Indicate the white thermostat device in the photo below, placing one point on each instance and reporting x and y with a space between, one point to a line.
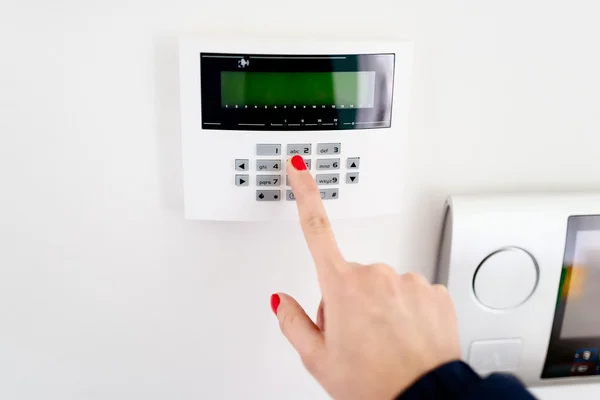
246 107
524 274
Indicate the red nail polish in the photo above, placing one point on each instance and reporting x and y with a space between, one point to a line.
275 300
298 163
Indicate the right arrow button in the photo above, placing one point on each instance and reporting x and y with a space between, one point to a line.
241 180
352 177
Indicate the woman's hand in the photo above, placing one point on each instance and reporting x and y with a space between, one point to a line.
377 331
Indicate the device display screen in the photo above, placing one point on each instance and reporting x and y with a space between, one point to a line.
313 89
296 92
575 339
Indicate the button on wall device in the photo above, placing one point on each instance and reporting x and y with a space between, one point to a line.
353 163
328 163
502 355
302 149
308 163
585 355
268 180
326 194
328 179
268 195
242 180
242 165
506 278
268 165
268 149
329 148
584 369
352 177
329 194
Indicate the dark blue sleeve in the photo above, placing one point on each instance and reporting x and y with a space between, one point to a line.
457 381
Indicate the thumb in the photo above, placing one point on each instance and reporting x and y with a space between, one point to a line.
299 330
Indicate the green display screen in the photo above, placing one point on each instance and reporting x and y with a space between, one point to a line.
270 89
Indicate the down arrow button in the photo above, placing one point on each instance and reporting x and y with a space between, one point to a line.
352 177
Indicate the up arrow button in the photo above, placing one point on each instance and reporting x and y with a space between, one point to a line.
353 163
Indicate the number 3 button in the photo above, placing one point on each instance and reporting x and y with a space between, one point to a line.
329 148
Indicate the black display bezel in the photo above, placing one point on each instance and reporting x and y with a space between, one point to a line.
295 118
560 362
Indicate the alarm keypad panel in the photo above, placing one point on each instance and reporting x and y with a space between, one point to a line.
305 149
342 106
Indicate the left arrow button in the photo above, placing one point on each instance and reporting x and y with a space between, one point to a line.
241 164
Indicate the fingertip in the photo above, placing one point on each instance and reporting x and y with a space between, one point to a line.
275 301
298 163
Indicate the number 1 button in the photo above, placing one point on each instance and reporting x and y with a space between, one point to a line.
268 149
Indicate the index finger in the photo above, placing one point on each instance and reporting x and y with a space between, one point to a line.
314 221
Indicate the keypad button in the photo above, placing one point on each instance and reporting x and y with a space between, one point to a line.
353 163
328 163
328 179
242 180
268 149
352 177
329 194
242 164
329 148
289 195
268 195
268 180
326 194
268 165
302 149
308 163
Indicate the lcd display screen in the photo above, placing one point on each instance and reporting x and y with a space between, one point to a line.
582 317
574 348
312 89
296 92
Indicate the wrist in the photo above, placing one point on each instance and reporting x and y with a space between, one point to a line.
448 380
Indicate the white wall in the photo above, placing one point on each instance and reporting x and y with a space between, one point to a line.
106 293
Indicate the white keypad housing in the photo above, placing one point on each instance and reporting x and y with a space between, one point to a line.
241 174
